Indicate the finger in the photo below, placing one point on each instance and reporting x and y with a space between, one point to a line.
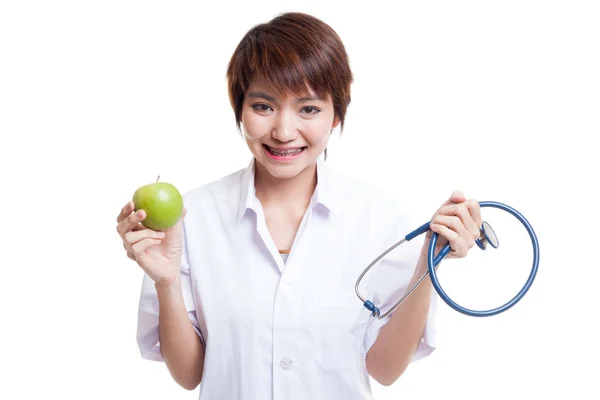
457 196
125 211
133 237
138 227
452 222
143 245
131 255
452 237
130 222
461 210
475 211
129 252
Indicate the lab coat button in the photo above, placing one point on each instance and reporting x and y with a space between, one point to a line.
286 290
286 363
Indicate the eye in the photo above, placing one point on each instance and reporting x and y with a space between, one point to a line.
314 109
261 107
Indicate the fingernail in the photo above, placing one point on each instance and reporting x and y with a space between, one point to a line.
140 214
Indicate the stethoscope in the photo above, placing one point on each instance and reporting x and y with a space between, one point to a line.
487 237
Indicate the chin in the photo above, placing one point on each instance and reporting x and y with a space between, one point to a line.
282 171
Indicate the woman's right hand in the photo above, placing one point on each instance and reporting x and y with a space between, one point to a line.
157 252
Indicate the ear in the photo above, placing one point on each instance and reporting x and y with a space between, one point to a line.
336 122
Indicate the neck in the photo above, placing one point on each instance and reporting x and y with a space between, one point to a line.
294 192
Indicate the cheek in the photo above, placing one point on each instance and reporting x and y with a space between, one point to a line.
252 126
319 135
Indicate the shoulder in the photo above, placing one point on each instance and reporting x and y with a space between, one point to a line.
371 206
216 190
360 193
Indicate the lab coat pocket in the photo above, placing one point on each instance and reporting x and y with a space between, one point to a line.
338 326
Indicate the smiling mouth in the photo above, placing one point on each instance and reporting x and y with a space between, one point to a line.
284 153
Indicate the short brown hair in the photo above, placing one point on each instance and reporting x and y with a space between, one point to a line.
288 52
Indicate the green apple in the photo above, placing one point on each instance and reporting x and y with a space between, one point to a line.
162 203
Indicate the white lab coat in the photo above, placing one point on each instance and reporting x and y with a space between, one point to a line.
295 329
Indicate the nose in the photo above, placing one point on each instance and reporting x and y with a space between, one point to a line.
284 128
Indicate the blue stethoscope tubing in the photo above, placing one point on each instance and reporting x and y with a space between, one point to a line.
487 237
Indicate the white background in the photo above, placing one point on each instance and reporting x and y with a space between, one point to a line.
498 99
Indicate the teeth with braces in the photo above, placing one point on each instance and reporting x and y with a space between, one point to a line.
285 152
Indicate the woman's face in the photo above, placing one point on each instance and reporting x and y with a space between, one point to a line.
286 134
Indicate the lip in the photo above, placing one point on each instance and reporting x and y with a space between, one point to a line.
285 148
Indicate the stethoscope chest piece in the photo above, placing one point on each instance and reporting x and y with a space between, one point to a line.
487 236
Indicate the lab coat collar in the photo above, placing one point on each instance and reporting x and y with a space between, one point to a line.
325 192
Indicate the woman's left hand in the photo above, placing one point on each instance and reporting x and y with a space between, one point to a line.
458 222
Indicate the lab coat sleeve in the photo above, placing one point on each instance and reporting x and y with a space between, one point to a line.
390 279
147 328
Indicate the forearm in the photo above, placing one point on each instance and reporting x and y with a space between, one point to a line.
180 345
399 339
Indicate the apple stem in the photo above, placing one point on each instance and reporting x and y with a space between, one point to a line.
158 178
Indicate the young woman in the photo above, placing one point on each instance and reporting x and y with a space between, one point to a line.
252 292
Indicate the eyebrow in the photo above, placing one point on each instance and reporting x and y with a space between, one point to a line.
265 96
